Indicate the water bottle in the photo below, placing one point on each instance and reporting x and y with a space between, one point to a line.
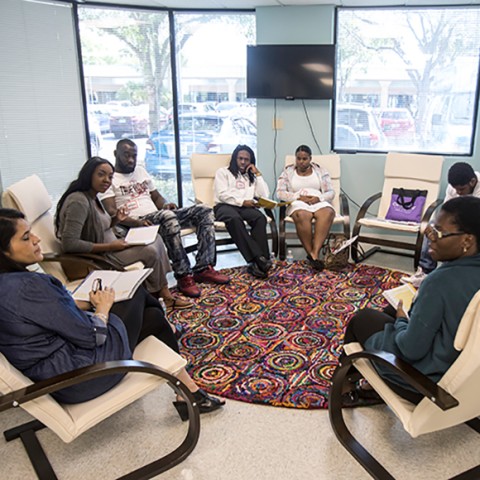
272 258
289 257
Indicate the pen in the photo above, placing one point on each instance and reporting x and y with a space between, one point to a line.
97 285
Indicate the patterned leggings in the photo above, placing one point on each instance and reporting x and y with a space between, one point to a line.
171 222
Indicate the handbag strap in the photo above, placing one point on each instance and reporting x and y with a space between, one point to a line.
407 204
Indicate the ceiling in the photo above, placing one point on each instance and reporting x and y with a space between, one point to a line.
250 4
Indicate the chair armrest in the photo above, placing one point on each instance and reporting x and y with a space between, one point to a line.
429 212
89 259
366 205
282 233
345 212
51 385
410 374
269 213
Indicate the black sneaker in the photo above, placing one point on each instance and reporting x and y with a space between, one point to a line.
254 269
263 263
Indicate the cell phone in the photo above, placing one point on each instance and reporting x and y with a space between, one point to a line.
97 285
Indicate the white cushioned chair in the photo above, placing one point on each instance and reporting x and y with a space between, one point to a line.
453 401
153 364
402 170
340 202
31 197
204 166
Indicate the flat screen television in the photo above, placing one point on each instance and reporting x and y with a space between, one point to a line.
291 71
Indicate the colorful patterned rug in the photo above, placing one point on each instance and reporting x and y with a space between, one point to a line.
277 341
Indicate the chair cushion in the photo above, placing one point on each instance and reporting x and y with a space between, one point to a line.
381 223
30 196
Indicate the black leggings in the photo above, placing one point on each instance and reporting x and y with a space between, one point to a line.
362 326
143 316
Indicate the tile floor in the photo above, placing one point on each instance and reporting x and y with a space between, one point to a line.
244 441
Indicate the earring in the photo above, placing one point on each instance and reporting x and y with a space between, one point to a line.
465 249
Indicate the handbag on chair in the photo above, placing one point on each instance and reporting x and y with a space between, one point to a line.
406 205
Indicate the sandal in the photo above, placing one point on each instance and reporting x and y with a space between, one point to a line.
204 401
175 303
360 397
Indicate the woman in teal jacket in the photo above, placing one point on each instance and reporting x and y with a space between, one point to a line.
425 340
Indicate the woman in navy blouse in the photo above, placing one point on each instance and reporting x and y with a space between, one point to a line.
44 332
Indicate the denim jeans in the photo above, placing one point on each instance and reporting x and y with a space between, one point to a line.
171 222
426 262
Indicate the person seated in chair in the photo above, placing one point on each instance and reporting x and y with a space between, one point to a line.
236 189
44 332
133 188
462 180
83 226
425 338
309 189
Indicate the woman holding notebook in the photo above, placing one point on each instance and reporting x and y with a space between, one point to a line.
425 340
83 226
236 189
44 332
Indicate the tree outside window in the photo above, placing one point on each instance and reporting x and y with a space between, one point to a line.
413 73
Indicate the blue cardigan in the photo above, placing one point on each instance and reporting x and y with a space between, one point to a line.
43 333
426 340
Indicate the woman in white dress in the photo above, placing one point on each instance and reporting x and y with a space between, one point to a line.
308 186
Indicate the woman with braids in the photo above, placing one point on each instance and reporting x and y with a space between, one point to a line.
236 189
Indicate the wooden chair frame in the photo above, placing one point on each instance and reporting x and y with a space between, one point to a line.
420 382
415 247
27 432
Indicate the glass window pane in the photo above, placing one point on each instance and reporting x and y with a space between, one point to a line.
407 79
211 69
126 62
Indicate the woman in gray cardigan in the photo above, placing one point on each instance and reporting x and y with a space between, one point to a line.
83 226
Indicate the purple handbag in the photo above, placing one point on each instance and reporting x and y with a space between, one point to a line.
406 205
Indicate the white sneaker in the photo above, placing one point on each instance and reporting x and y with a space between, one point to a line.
416 279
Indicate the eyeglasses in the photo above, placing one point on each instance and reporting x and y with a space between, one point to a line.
433 234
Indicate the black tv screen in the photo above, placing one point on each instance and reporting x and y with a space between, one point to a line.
291 71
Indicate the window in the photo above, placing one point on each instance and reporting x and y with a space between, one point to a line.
40 108
407 79
128 80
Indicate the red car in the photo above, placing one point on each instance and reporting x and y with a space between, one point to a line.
398 124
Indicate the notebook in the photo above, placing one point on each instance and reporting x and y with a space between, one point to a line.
125 284
142 235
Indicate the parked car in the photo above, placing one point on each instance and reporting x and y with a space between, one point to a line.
130 121
200 133
346 138
102 114
363 122
192 107
397 124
